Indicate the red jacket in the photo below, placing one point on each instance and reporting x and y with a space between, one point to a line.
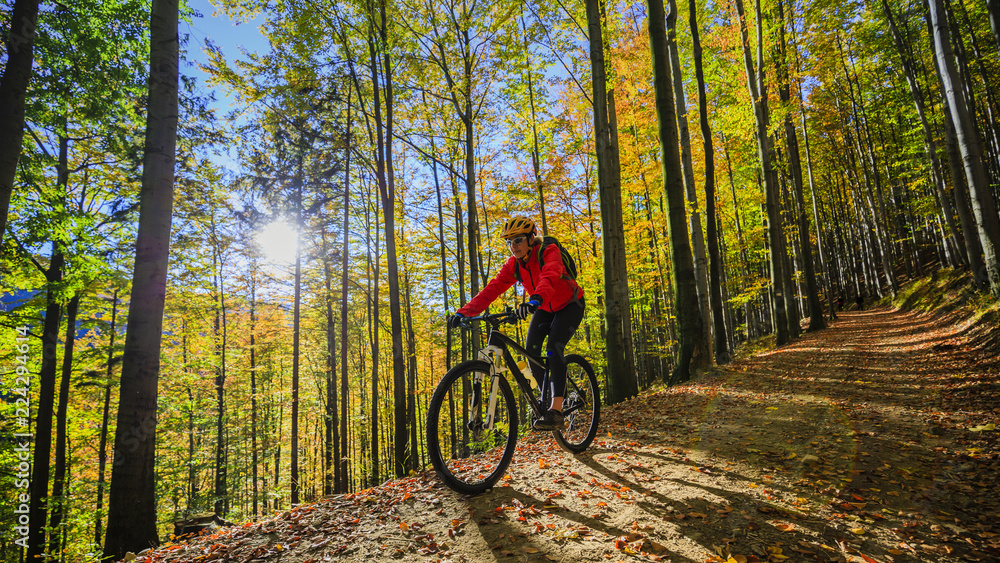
550 282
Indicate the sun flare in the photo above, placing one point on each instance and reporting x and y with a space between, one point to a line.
278 241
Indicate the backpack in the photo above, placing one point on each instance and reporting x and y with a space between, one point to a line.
569 265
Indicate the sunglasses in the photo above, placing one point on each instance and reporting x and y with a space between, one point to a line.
515 241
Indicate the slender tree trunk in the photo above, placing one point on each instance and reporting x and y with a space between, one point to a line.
963 207
535 153
221 506
132 502
102 451
714 256
987 124
411 379
344 254
983 204
373 331
40 465
827 275
621 375
331 442
816 320
755 82
752 328
254 416
930 144
296 336
53 504
692 354
13 88
882 229
993 7
60 497
442 248
385 175
690 188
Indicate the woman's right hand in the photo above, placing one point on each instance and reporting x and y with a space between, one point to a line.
455 320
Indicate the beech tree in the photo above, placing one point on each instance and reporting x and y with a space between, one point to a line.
13 88
692 355
132 500
616 303
983 203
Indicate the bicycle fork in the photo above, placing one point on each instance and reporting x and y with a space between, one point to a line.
489 354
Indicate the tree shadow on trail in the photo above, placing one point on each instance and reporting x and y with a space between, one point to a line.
839 436
506 512
724 521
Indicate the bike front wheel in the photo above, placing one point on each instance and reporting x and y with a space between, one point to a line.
469 445
581 406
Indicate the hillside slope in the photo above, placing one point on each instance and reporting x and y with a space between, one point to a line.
868 441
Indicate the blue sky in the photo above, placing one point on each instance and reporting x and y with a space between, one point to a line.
229 35
216 26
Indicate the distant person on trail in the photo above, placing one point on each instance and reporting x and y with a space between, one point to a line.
860 300
555 303
840 303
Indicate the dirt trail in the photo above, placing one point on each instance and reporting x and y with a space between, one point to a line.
855 443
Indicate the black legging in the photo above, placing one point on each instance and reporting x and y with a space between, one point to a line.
559 327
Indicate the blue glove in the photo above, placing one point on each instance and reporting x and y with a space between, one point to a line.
525 310
455 320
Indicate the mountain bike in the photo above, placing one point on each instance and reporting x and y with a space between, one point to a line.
472 418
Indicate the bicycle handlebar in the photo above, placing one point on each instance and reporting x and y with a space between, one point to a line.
494 318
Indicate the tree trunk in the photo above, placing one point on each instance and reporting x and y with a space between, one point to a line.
621 375
983 204
58 501
755 83
993 7
987 123
387 192
881 228
816 320
930 144
40 465
221 505
535 153
963 207
254 416
343 485
714 256
692 354
690 189
411 379
20 43
373 332
102 451
827 274
331 427
132 502
296 337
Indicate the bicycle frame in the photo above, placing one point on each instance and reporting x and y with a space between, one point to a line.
499 344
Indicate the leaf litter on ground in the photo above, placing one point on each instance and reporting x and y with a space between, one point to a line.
861 442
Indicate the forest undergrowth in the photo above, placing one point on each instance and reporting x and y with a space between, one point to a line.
872 440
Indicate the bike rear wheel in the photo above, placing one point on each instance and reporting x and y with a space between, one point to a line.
469 451
581 406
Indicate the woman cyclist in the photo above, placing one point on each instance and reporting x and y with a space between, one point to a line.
555 304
